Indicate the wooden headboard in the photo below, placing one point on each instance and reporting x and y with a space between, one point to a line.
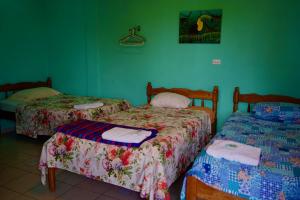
255 98
192 94
7 88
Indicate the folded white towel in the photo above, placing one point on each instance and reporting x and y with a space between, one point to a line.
125 135
88 105
235 151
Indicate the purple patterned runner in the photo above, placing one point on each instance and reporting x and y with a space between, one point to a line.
92 130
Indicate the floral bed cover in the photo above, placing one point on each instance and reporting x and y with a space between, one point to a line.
278 174
42 116
149 169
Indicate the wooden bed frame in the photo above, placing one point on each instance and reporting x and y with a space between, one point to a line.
12 88
193 94
196 189
255 98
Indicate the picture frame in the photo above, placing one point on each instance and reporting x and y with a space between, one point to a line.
202 26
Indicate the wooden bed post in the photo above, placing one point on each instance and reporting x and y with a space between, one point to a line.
49 82
215 98
51 179
236 95
214 108
149 92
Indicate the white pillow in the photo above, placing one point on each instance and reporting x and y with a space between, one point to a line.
170 100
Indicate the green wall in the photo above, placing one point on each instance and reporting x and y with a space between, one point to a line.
259 49
23 41
76 43
73 48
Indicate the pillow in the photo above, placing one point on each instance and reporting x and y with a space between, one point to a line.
170 100
33 93
290 113
277 111
267 111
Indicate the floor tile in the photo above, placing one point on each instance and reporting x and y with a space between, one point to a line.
9 174
104 197
70 178
14 158
122 193
29 165
33 150
22 197
42 192
3 166
24 183
7 194
78 194
95 186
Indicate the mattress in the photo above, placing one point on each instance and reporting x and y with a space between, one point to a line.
278 174
10 105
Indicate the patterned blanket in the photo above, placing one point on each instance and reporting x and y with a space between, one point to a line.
92 130
42 116
149 169
278 173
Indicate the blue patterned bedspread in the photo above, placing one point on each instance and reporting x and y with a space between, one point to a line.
278 173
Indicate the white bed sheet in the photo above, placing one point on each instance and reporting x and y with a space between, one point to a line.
10 105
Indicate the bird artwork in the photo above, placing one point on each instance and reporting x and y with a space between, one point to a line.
200 26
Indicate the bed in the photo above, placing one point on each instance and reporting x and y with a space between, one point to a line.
276 177
149 169
40 110
8 108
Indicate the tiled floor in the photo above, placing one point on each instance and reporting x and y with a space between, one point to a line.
20 178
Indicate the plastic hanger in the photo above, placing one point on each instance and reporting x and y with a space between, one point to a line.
133 39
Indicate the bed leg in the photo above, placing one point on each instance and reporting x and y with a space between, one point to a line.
191 188
51 179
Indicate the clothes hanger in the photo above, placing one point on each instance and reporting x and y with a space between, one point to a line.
133 39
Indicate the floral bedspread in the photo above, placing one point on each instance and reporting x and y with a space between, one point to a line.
42 116
149 169
278 174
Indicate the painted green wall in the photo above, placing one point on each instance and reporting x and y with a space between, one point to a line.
259 49
73 48
76 43
23 41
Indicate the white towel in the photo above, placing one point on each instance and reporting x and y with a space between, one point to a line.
125 135
88 105
235 151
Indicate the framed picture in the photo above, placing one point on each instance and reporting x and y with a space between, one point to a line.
202 26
